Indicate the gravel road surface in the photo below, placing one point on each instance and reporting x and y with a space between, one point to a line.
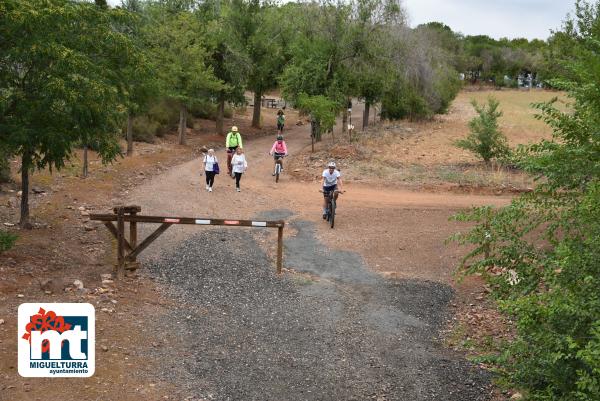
332 330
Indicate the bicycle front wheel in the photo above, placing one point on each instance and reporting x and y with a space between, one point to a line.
277 171
332 212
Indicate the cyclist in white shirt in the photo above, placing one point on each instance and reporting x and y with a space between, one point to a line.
332 180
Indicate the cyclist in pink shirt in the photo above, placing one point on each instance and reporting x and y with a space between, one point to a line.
279 150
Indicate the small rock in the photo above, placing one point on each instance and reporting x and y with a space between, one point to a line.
104 348
517 396
37 190
20 296
78 284
85 213
1 321
81 208
19 194
88 228
9 224
106 276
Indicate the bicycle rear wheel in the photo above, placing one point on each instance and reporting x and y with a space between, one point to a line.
332 212
277 171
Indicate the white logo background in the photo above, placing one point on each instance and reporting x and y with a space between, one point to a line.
26 311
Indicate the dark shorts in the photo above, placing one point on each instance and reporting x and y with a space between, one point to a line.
276 155
280 126
232 149
328 189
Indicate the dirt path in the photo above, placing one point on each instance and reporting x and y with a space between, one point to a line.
348 330
399 232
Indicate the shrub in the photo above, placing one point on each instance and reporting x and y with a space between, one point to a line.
403 101
208 110
4 166
7 240
145 129
485 139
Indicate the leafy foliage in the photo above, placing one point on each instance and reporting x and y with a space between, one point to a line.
485 139
7 240
542 253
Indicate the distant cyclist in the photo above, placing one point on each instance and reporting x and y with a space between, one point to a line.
232 142
332 180
280 121
279 150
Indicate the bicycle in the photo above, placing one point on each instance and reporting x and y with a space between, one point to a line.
278 166
331 204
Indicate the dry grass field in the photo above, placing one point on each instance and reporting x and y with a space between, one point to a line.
423 154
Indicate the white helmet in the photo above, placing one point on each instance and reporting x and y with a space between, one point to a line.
331 164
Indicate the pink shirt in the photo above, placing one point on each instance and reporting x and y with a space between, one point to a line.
279 147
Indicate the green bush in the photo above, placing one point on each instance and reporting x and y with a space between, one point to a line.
4 167
7 240
403 101
208 110
145 129
446 87
485 139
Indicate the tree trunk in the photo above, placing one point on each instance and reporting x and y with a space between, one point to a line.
129 134
344 121
85 161
220 114
256 112
182 124
366 116
25 162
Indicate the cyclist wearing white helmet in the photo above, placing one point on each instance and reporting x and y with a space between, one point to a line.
332 180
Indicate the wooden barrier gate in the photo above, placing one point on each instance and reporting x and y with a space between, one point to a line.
129 214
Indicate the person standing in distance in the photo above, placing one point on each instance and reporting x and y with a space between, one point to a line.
233 141
280 121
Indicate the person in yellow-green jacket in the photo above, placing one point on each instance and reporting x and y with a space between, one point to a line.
232 142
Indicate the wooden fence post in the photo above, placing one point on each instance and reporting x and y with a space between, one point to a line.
120 243
279 248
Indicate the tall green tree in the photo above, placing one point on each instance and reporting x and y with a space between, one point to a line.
224 24
177 44
59 82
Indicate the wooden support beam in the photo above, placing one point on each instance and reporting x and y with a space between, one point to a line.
144 244
189 220
111 227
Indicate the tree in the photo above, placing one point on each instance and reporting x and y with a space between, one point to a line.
179 48
59 82
541 254
141 84
224 24
266 40
485 139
